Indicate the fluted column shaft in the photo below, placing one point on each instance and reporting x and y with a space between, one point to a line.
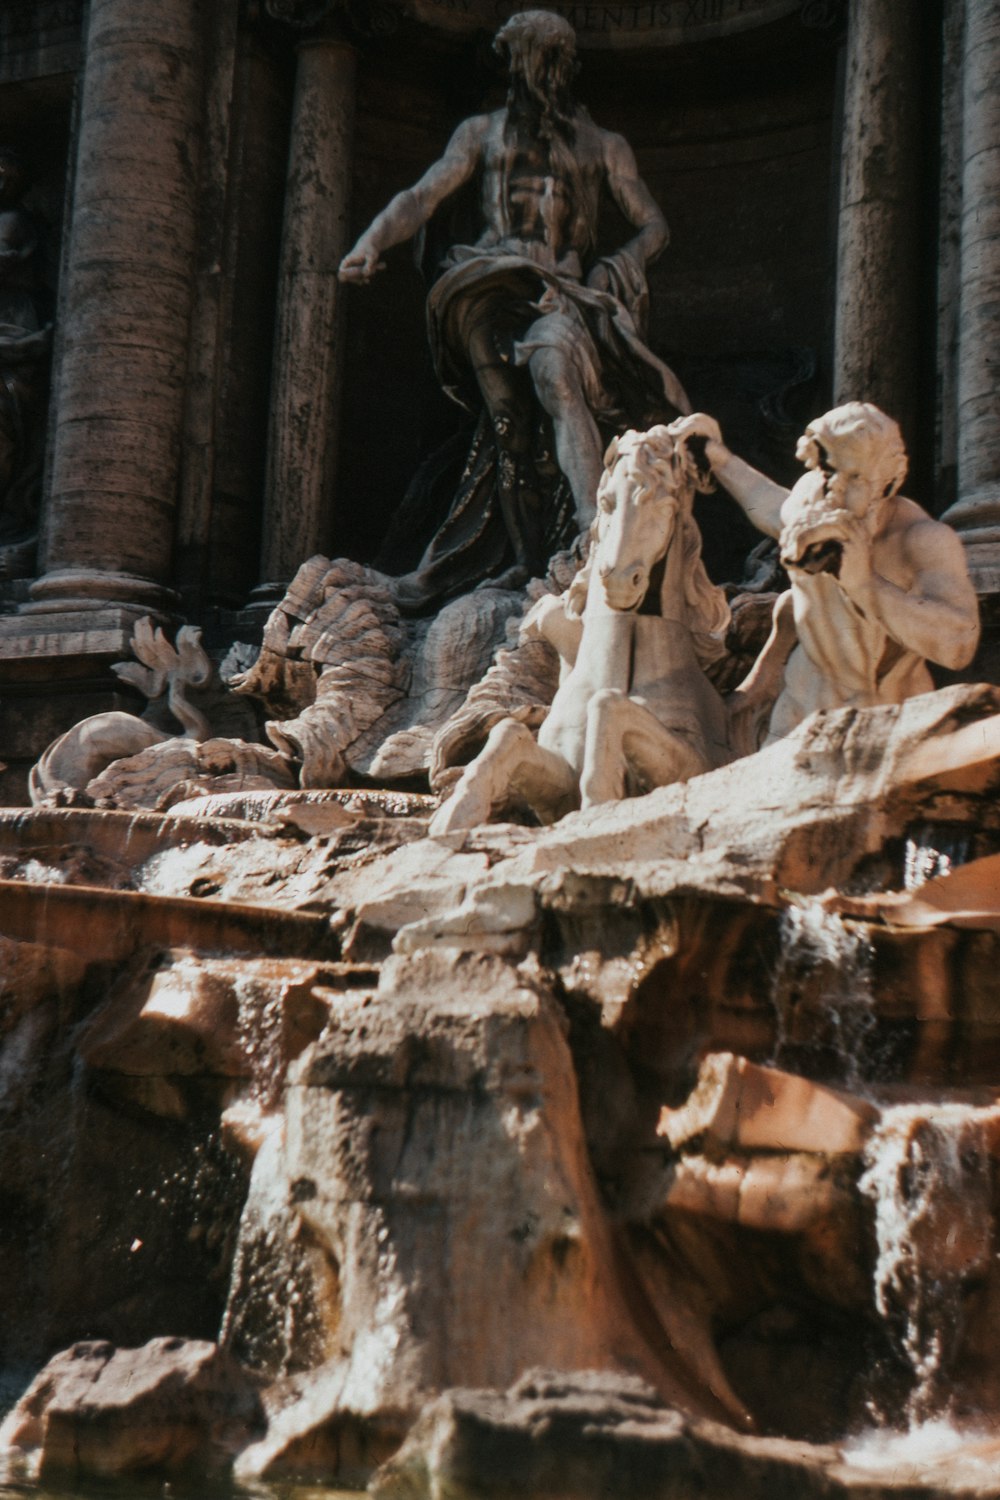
976 513
308 357
109 523
875 346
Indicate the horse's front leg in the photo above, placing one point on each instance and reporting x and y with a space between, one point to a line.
511 768
624 735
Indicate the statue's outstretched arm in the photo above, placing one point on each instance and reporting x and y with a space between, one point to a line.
635 200
757 495
411 208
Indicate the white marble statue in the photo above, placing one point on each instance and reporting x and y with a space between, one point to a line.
878 588
635 629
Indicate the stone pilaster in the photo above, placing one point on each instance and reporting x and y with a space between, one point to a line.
876 334
119 395
976 513
308 358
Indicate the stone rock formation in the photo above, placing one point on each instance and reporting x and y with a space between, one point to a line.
557 1435
174 1406
291 1080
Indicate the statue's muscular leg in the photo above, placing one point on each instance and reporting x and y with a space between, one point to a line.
623 735
510 770
578 442
507 407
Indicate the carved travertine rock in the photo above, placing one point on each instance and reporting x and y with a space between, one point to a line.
124 761
174 1405
878 587
742 1106
352 686
635 631
480 1107
559 1434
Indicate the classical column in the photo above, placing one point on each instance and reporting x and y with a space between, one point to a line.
118 402
949 246
308 356
219 522
875 347
976 514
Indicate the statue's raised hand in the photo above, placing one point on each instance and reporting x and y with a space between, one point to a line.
698 425
360 264
701 435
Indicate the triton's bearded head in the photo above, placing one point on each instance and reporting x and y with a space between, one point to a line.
539 48
855 464
857 438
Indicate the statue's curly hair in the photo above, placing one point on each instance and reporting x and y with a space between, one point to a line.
860 436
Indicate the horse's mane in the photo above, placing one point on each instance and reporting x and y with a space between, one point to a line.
651 459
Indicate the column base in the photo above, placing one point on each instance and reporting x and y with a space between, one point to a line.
976 518
80 590
66 643
76 621
56 655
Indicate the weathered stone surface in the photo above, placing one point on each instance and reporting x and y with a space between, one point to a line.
817 809
436 1124
749 1108
195 1015
95 1411
461 1116
573 1436
351 686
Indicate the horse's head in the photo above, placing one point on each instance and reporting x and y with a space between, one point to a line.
646 486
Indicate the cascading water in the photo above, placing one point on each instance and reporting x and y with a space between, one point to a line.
271 1321
927 1172
933 850
928 1175
825 965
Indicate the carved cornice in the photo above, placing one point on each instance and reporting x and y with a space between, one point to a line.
823 15
363 19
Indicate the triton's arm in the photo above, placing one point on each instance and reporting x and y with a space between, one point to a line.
937 615
757 495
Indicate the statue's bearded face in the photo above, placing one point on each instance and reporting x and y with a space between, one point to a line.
860 453
837 477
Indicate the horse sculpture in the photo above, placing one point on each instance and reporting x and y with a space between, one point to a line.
635 630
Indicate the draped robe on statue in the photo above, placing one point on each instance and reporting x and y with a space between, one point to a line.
516 509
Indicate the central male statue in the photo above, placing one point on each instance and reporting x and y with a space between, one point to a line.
532 309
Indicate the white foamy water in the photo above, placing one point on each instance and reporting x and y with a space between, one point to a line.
937 1442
